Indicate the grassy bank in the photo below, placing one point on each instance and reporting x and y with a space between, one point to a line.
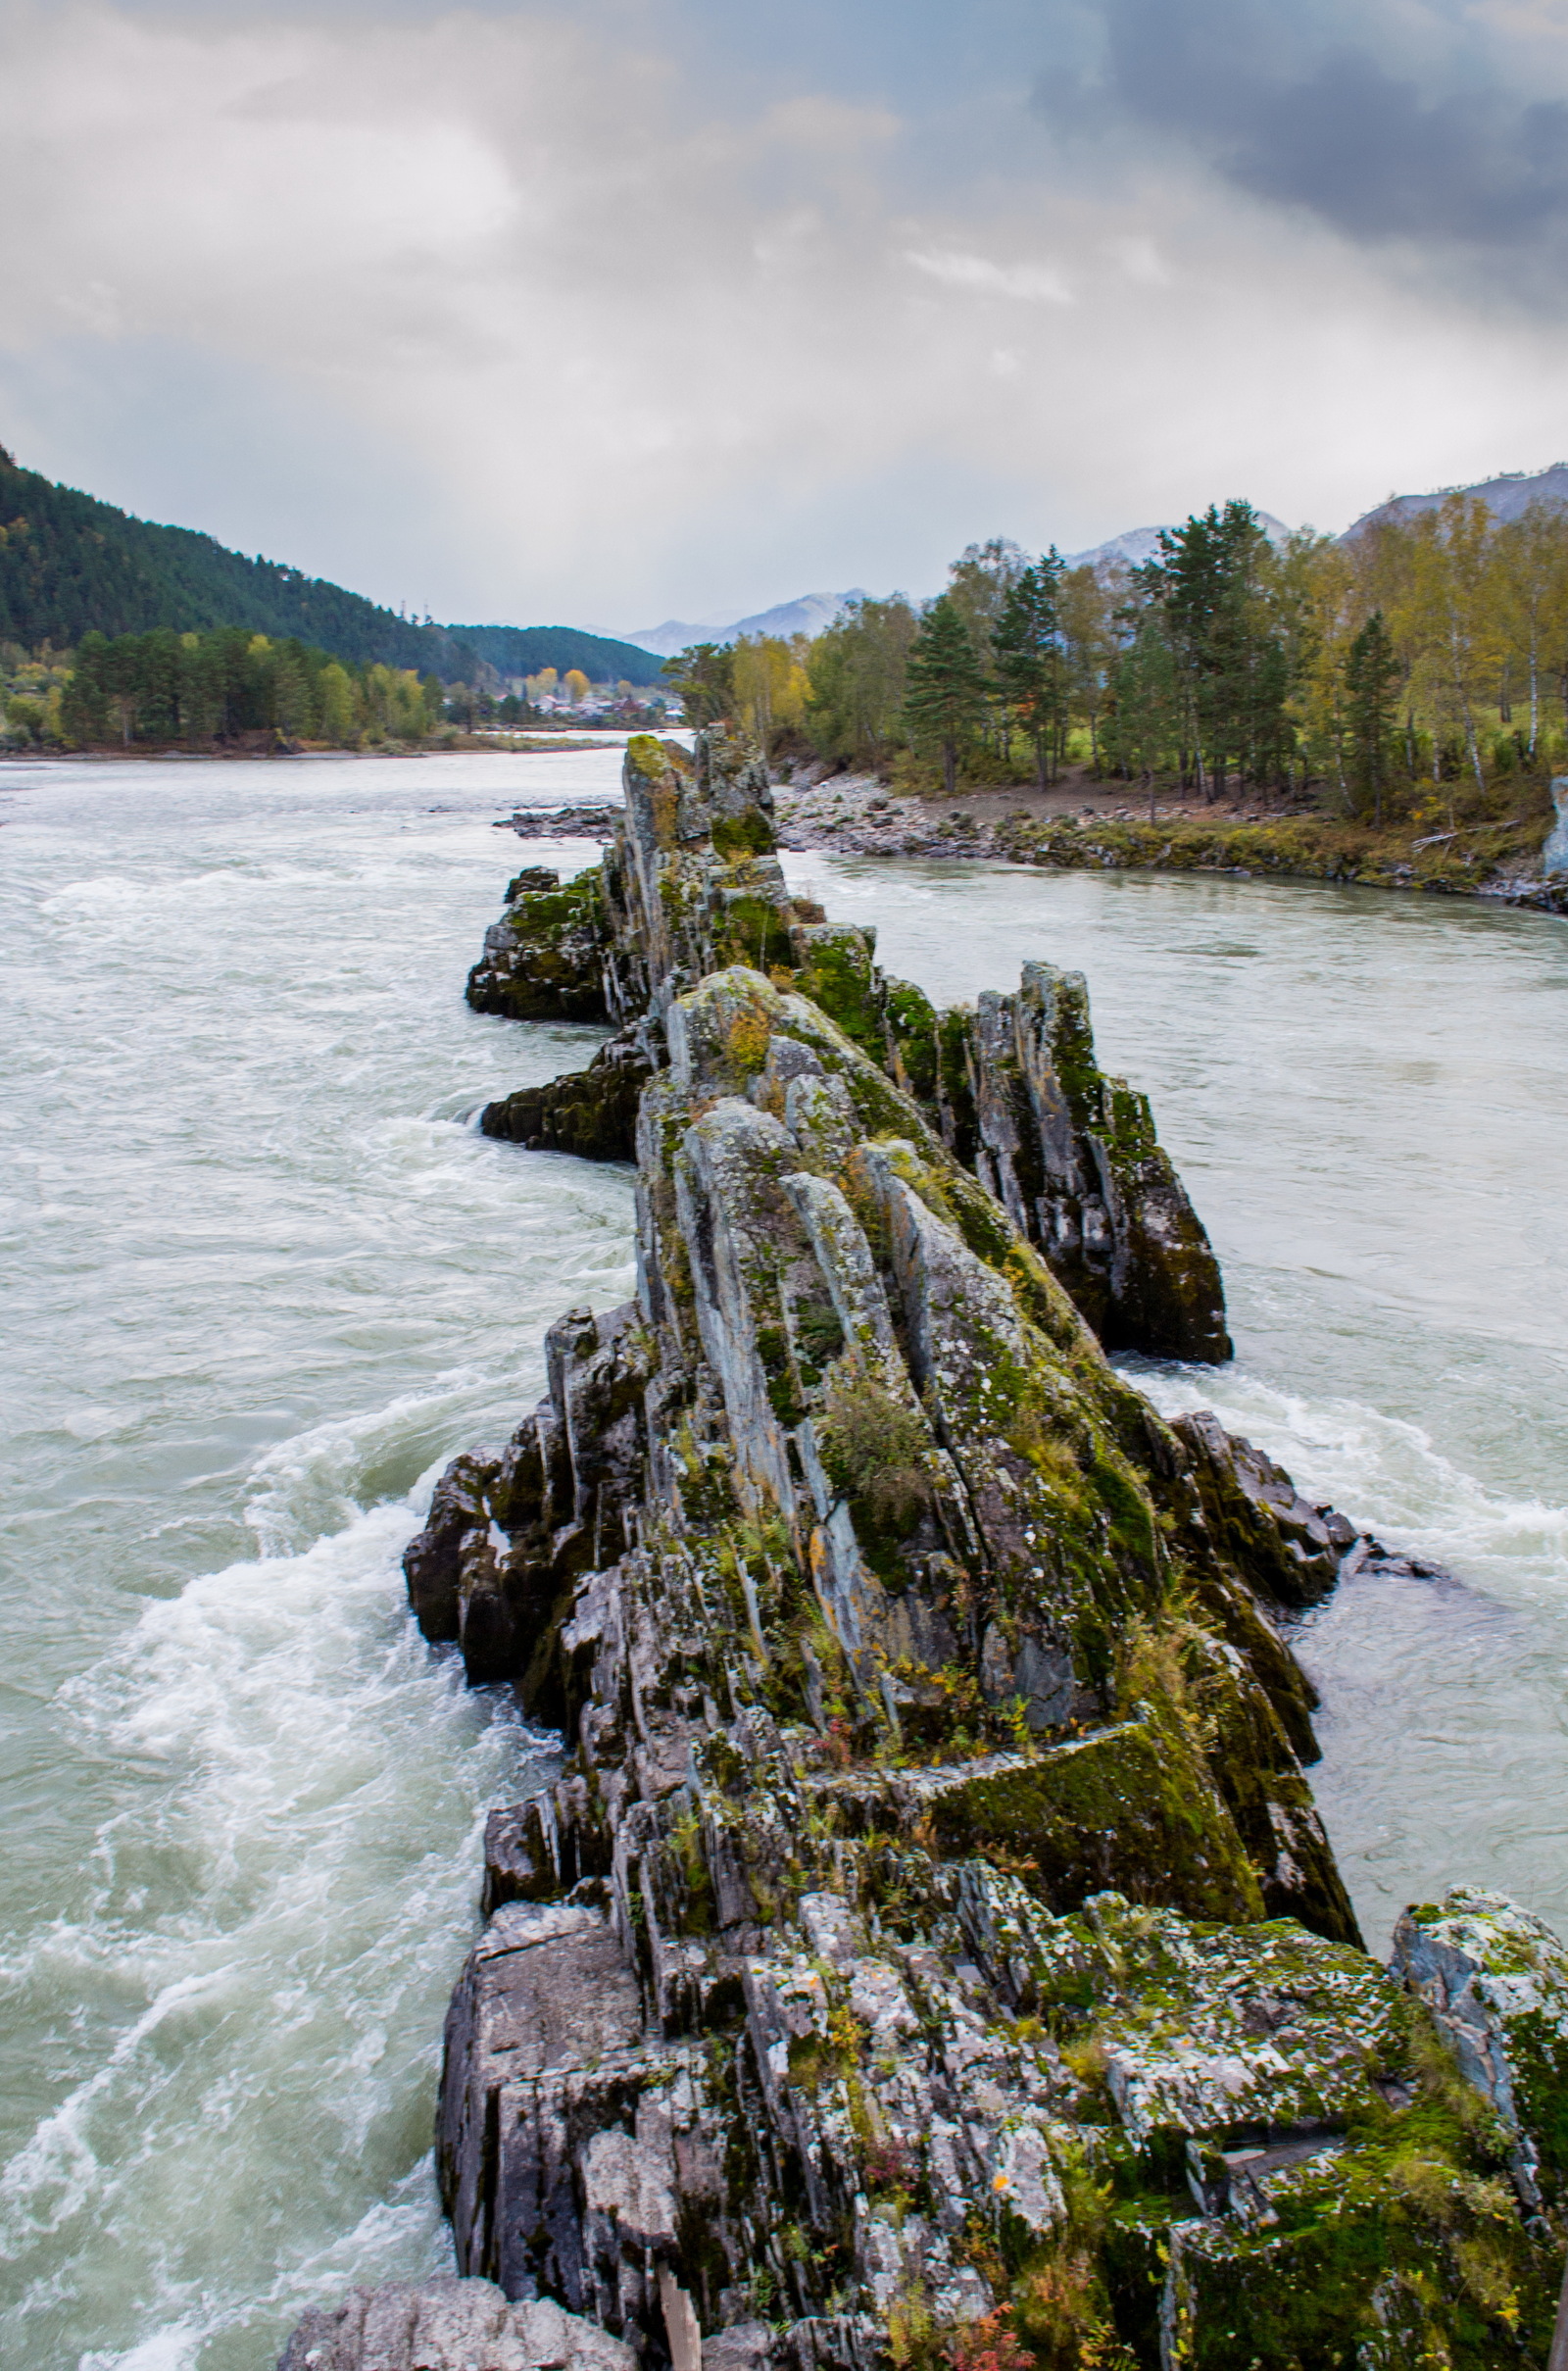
1489 860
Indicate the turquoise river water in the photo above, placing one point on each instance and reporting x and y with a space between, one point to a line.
264 1278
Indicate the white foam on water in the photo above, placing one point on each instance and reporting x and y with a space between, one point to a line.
1385 1473
173 2349
275 1922
267 1275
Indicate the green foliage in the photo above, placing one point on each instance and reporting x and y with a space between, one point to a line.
874 1447
1029 660
526 649
71 567
980 582
1211 590
945 697
856 674
197 688
702 676
1372 675
1147 708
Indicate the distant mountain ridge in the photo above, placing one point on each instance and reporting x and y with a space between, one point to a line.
71 565
1507 496
808 614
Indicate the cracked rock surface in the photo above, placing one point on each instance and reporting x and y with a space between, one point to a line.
930 1954
691 884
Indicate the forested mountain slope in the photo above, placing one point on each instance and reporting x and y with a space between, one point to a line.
71 565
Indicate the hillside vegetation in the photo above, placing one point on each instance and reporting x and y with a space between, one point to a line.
71 565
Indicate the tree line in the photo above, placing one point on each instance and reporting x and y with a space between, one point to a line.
224 686
1422 661
233 684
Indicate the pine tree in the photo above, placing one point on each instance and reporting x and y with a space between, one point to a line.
945 695
703 677
1027 654
1210 580
1372 671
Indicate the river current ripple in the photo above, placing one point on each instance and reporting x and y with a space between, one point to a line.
264 1278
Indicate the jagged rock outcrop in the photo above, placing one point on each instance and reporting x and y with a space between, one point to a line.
462 2325
1495 1979
932 1932
543 961
930 1954
590 1112
691 884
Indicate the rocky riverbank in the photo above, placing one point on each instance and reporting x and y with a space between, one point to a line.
856 814
930 1954
860 815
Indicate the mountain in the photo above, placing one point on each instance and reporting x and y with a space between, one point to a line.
1506 496
71 565
523 650
1141 544
807 616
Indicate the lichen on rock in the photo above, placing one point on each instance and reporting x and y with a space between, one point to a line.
690 886
929 1952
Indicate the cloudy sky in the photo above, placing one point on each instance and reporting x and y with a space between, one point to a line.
600 312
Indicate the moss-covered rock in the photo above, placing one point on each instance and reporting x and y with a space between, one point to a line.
1132 1809
544 959
930 1952
1495 1979
690 886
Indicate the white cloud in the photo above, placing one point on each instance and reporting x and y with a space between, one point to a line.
1030 283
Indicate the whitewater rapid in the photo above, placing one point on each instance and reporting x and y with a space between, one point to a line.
265 1277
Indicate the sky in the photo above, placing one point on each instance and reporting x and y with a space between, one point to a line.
605 313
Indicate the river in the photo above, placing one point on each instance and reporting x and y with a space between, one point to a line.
264 1278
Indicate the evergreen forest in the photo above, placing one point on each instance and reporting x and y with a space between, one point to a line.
71 565
229 685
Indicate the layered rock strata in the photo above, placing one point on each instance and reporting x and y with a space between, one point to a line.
930 1954
1012 1090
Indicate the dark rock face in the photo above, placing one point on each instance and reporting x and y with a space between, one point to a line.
1255 1516
507 1536
591 1113
930 1953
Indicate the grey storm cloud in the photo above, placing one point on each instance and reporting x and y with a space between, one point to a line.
1440 147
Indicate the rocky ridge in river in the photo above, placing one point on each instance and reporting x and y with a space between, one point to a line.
1011 1090
930 1953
